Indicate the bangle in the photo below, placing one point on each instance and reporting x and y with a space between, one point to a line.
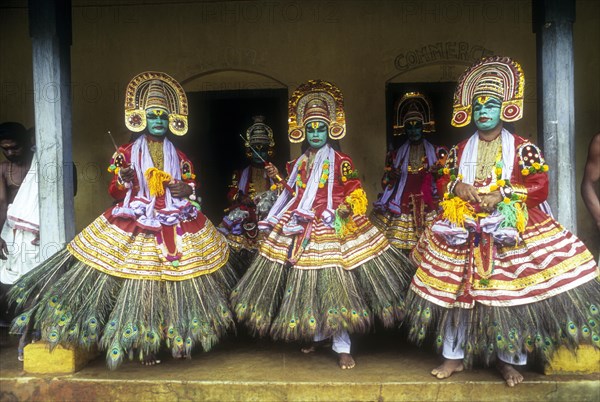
121 184
452 185
506 191
193 195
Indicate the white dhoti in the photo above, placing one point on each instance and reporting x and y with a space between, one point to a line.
21 228
341 342
453 346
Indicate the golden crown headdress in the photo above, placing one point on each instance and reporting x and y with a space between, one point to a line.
316 99
155 89
413 106
259 133
496 76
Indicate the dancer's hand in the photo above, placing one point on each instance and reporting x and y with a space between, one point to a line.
343 211
271 170
467 192
179 189
489 201
127 174
393 174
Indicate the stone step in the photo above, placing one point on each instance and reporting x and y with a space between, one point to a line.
255 370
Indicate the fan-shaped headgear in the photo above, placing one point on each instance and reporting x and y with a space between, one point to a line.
155 89
316 100
259 134
413 106
495 76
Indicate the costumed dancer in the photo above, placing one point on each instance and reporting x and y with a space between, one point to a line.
251 195
151 270
324 271
498 278
409 201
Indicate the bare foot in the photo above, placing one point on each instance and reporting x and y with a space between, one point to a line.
509 373
150 360
448 367
313 347
345 361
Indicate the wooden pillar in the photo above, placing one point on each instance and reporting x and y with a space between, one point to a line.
50 31
553 25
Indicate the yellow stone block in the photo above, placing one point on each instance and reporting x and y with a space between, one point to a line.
40 360
585 361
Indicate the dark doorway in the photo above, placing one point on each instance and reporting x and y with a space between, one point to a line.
216 120
441 95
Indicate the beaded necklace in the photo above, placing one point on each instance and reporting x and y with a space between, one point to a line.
487 157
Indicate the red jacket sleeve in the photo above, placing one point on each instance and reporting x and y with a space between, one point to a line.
529 178
119 160
347 174
188 174
389 165
449 168
233 187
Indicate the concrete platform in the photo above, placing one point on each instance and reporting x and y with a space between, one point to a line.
243 369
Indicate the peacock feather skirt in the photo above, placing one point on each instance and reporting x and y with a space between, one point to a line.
331 284
535 296
113 288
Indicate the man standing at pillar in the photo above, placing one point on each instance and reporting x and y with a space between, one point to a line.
19 214
591 178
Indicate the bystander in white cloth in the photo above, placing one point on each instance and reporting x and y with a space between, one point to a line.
21 230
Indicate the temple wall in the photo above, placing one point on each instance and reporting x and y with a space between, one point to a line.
359 45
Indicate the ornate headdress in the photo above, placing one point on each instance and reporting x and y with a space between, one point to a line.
413 106
155 89
495 76
259 134
316 100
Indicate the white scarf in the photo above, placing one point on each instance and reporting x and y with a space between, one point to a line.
142 161
402 157
142 208
304 209
468 161
24 213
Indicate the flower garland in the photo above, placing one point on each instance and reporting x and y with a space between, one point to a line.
512 207
322 180
455 177
534 168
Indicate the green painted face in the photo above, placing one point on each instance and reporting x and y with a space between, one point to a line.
486 112
157 121
414 130
262 150
316 133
